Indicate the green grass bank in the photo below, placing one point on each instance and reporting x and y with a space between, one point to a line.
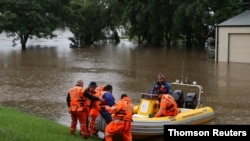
18 126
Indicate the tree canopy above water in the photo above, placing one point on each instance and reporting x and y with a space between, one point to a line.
24 19
154 22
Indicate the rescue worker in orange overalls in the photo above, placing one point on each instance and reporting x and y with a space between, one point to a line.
168 106
79 112
94 111
122 119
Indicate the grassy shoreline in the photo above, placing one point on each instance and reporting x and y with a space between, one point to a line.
18 126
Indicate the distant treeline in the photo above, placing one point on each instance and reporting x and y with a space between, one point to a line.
153 22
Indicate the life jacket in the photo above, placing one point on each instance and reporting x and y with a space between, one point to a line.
104 103
125 110
77 98
160 88
99 93
168 105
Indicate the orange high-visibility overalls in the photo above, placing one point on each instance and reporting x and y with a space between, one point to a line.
94 110
122 120
77 110
168 106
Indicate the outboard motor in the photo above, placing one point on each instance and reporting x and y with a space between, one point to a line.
191 101
179 98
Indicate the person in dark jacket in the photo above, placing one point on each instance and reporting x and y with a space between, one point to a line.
108 99
161 86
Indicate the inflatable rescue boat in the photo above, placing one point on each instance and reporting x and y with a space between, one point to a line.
191 112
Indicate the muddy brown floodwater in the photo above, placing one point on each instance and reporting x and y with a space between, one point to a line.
36 81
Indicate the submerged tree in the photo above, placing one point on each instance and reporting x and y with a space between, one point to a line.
25 19
87 20
92 21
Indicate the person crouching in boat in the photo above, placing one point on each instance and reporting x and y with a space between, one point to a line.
122 120
168 106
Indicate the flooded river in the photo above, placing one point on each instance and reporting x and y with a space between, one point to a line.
36 81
